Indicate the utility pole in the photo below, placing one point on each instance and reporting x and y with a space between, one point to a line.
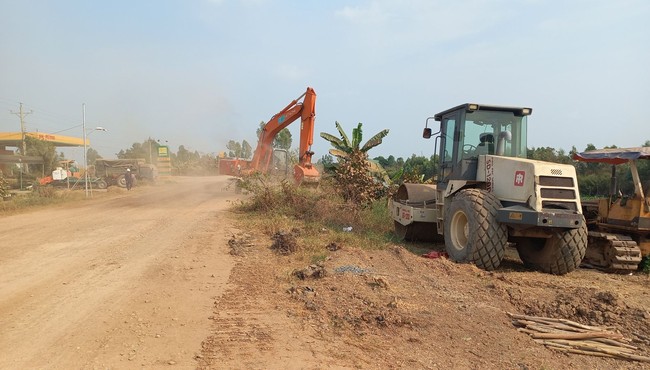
22 115
23 149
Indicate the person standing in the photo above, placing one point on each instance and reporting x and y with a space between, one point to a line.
128 177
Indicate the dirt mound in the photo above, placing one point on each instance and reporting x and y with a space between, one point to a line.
394 309
239 244
310 272
595 307
285 243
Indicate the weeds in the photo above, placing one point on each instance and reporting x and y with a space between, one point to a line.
321 215
4 186
31 200
645 265
318 258
41 196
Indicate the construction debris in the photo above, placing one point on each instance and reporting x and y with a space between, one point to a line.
572 337
285 243
310 272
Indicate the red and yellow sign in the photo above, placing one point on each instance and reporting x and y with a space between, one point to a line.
16 138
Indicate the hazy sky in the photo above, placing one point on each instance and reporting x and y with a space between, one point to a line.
202 72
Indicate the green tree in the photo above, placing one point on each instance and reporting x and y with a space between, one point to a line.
183 155
327 161
147 150
234 149
208 165
386 162
44 149
419 167
186 162
136 151
594 179
92 155
549 154
282 140
247 150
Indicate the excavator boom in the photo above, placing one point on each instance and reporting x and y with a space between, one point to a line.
304 171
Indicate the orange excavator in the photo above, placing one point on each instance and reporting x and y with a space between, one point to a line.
304 172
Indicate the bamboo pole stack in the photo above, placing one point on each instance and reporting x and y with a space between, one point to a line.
572 337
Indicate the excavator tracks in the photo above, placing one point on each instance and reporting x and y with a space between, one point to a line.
612 252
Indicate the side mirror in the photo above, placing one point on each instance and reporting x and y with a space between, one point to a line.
426 133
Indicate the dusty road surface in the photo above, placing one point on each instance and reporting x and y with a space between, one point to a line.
124 280
170 277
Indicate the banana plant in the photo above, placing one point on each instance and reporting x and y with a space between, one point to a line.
344 147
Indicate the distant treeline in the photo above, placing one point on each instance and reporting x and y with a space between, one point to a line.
593 178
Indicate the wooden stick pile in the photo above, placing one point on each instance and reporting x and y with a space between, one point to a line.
572 337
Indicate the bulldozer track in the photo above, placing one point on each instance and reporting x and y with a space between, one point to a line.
612 252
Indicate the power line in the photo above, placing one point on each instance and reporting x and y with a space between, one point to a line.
67 129
52 118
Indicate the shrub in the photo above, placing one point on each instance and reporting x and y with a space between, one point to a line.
321 215
645 265
4 186
354 181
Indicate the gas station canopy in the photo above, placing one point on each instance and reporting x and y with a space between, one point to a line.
16 138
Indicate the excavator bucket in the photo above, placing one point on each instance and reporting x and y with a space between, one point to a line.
306 176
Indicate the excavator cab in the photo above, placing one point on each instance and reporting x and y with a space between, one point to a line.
280 164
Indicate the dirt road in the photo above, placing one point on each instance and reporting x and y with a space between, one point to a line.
119 281
162 277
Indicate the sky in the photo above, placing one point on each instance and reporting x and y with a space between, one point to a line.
199 73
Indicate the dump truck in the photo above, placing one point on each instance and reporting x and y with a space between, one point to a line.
488 196
619 225
112 170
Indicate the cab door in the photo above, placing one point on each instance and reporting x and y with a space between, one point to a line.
449 141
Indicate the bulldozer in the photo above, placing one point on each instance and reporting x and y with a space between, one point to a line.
488 196
619 225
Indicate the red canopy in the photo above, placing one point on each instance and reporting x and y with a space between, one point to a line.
614 155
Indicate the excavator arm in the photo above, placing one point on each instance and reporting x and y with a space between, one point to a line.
304 171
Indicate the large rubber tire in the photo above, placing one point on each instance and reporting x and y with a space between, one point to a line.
121 181
101 184
560 254
472 232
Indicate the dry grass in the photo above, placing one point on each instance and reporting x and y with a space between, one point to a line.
49 196
316 216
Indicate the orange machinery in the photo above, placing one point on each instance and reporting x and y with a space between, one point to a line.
304 171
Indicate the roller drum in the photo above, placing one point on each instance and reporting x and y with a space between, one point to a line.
418 196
